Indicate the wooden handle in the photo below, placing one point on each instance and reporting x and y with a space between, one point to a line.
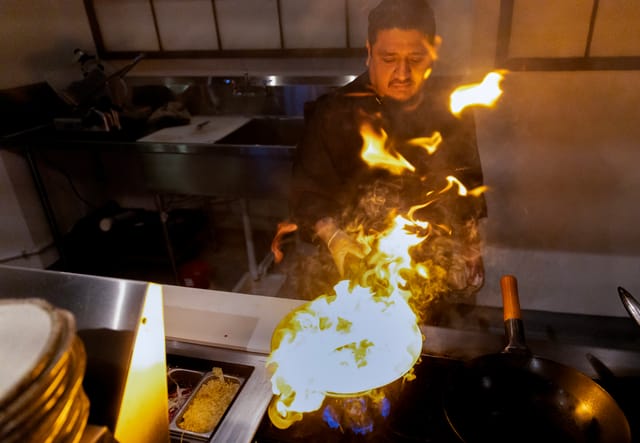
510 299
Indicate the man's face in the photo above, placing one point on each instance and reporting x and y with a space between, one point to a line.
399 62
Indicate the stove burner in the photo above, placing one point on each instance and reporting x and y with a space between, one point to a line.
416 414
359 414
408 412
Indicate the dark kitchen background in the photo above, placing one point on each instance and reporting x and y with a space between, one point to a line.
560 150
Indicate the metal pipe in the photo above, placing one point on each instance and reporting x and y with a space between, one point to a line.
248 239
167 238
46 205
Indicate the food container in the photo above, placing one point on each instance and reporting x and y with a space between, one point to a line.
181 383
175 426
190 375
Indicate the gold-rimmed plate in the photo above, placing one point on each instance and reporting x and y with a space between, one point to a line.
30 331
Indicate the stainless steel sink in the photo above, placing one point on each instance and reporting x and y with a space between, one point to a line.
254 161
269 131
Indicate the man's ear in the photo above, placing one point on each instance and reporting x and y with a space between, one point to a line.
368 52
437 42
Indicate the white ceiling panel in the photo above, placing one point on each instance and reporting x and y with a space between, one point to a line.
126 25
550 28
358 21
617 29
186 25
454 23
313 24
247 24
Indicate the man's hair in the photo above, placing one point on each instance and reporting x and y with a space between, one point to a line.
402 14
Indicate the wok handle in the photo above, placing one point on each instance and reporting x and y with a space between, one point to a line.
510 299
513 325
630 304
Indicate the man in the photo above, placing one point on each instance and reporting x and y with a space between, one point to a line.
335 188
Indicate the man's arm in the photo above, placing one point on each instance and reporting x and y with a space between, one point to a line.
315 182
319 192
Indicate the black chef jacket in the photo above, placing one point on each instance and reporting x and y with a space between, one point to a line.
330 179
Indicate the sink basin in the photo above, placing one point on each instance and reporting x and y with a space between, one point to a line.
274 131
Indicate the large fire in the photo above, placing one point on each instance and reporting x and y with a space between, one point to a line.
351 342
366 335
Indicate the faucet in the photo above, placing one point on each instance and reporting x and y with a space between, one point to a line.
243 87
247 88
213 97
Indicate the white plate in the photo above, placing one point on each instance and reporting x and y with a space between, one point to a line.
53 406
29 332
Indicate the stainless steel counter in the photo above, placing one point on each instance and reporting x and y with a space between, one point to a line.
109 315
89 298
114 306
246 413
96 302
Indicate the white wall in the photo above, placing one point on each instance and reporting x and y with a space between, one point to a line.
38 38
559 154
15 237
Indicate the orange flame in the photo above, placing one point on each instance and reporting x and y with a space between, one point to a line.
462 189
393 249
485 93
283 229
351 342
429 144
366 335
375 153
361 338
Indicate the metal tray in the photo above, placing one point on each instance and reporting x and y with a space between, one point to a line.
198 371
185 379
176 430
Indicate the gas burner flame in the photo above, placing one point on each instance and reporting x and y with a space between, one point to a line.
330 416
357 414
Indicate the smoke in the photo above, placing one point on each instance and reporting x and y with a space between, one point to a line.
450 250
446 266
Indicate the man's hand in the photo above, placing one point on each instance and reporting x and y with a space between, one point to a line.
466 274
339 243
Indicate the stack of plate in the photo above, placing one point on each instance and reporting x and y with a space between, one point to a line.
41 395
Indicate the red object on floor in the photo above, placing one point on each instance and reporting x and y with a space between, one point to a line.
195 274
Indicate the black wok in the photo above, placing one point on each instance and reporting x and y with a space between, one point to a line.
516 396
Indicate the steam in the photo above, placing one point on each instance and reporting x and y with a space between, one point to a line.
446 265
441 269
